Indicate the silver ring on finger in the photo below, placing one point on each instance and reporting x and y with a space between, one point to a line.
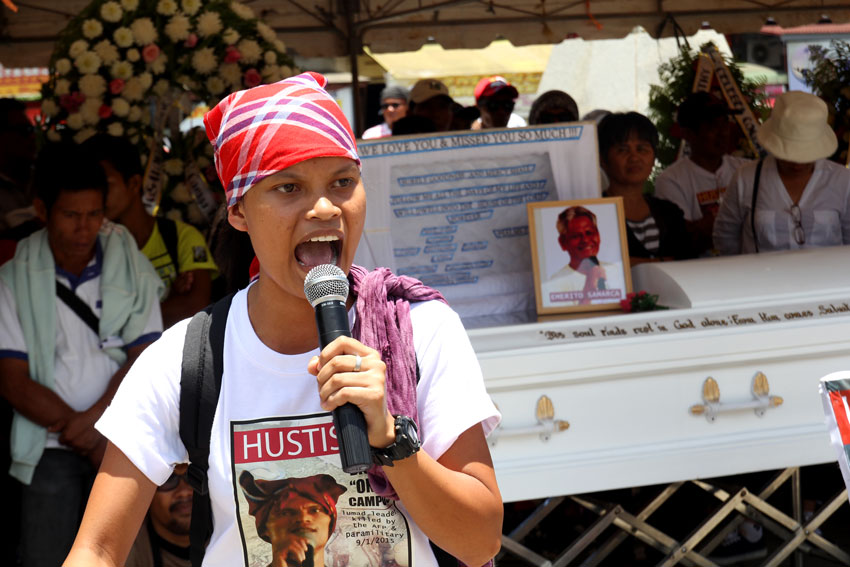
358 362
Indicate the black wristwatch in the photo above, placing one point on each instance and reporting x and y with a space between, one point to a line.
406 443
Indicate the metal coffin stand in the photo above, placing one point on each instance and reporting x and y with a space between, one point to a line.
724 383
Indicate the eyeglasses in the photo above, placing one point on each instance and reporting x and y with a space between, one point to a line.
172 482
390 105
494 105
797 217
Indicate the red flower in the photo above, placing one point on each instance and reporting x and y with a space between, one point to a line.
105 111
232 55
116 86
252 78
150 52
191 41
71 102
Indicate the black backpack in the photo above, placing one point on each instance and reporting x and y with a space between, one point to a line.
200 384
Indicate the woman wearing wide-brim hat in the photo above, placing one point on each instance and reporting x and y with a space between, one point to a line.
800 199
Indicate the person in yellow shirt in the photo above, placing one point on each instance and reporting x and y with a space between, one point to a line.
178 251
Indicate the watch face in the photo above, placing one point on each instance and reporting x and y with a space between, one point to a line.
407 427
413 434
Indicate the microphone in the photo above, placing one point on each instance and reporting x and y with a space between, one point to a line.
326 288
600 283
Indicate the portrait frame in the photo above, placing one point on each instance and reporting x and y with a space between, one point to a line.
558 287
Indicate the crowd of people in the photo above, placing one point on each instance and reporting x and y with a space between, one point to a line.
90 279
792 198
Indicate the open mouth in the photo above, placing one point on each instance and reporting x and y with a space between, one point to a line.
318 250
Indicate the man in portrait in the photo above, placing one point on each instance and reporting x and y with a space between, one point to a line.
295 515
579 281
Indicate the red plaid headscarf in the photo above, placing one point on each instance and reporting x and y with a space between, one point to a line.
258 132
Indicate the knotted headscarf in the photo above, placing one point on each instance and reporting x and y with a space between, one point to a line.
260 131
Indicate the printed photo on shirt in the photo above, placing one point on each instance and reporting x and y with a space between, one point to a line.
298 508
580 255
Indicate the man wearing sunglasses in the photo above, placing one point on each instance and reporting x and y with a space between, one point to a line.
393 107
496 98
163 540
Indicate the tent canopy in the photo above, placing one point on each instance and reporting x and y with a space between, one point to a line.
335 27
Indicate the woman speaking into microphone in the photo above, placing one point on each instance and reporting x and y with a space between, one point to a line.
287 159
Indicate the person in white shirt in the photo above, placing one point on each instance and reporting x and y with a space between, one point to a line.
393 107
581 280
801 199
78 305
696 182
297 190
496 98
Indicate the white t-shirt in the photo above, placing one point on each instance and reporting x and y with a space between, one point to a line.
516 121
82 370
269 422
565 287
381 130
694 189
824 209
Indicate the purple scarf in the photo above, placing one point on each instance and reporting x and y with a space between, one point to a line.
383 323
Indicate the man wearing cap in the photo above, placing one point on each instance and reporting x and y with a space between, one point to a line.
696 182
295 515
429 99
496 98
393 107
795 197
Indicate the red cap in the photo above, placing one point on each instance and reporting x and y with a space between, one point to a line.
488 86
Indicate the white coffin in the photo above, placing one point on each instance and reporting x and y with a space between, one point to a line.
625 382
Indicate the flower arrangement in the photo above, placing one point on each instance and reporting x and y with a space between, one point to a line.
829 78
640 301
137 68
677 80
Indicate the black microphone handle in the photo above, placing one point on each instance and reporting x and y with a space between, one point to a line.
354 450
600 283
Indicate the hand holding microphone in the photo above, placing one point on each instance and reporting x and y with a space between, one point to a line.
594 272
326 288
600 282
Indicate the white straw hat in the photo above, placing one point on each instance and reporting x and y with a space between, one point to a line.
797 129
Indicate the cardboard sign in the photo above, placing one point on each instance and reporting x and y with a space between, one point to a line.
450 208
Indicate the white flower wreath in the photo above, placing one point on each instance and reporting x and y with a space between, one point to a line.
136 68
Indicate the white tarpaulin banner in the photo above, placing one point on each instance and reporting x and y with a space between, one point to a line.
450 209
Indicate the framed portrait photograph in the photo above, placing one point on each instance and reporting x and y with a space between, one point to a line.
579 254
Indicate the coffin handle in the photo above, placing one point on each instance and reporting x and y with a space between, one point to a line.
545 427
712 406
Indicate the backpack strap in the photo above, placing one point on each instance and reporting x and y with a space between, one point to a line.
79 307
200 383
168 231
753 204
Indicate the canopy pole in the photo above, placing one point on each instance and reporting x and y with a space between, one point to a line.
354 47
